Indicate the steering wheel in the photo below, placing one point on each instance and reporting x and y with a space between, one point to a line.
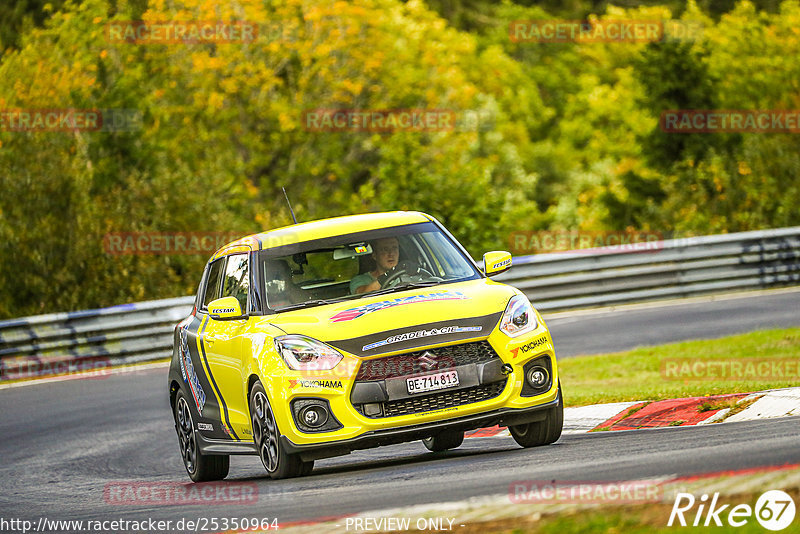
410 268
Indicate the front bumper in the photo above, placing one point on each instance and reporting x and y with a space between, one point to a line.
376 438
492 391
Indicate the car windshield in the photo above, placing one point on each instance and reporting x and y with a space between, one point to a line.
362 264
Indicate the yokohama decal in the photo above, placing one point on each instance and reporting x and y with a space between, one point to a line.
530 346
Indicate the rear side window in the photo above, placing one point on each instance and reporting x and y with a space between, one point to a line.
212 283
237 279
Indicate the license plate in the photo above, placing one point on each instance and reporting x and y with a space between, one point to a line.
420 384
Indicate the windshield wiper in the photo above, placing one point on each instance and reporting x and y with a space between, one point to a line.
429 283
393 289
304 304
402 286
317 302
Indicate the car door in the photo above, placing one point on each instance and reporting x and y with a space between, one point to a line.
192 357
223 343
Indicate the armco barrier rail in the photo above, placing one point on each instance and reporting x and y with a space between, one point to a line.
672 269
60 342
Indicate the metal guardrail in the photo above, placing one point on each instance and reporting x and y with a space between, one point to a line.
62 342
59 343
671 269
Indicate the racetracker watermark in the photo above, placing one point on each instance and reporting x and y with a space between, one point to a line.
759 369
551 492
86 367
179 493
315 375
582 31
360 120
603 31
397 120
166 243
584 241
70 120
730 121
181 32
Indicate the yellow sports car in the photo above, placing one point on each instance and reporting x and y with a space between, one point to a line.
316 339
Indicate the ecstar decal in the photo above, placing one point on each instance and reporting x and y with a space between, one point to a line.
530 346
355 313
501 264
422 333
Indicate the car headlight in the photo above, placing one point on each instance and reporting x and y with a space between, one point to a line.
519 317
303 353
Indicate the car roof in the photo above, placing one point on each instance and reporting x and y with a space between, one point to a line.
319 229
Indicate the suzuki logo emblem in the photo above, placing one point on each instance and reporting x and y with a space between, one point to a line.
428 361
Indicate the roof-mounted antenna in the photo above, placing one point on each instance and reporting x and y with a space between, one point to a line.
290 205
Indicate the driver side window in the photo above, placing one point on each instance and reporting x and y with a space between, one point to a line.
212 283
236 282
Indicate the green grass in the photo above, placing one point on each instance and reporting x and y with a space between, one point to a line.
720 404
641 519
628 519
637 375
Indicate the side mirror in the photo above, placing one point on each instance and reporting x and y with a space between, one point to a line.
225 308
496 262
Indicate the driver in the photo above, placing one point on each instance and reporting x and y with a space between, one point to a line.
386 253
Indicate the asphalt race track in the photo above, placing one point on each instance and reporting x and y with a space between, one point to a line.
63 442
632 326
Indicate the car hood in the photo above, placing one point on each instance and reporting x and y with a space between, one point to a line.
404 320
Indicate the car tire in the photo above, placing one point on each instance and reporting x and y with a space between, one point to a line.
277 462
307 468
541 432
447 439
201 467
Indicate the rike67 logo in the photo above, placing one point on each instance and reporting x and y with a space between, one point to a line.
774 510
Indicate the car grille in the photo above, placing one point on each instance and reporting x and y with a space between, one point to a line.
413 363
437 401
423 361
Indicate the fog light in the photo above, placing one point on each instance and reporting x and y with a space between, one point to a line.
537 377
314 416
